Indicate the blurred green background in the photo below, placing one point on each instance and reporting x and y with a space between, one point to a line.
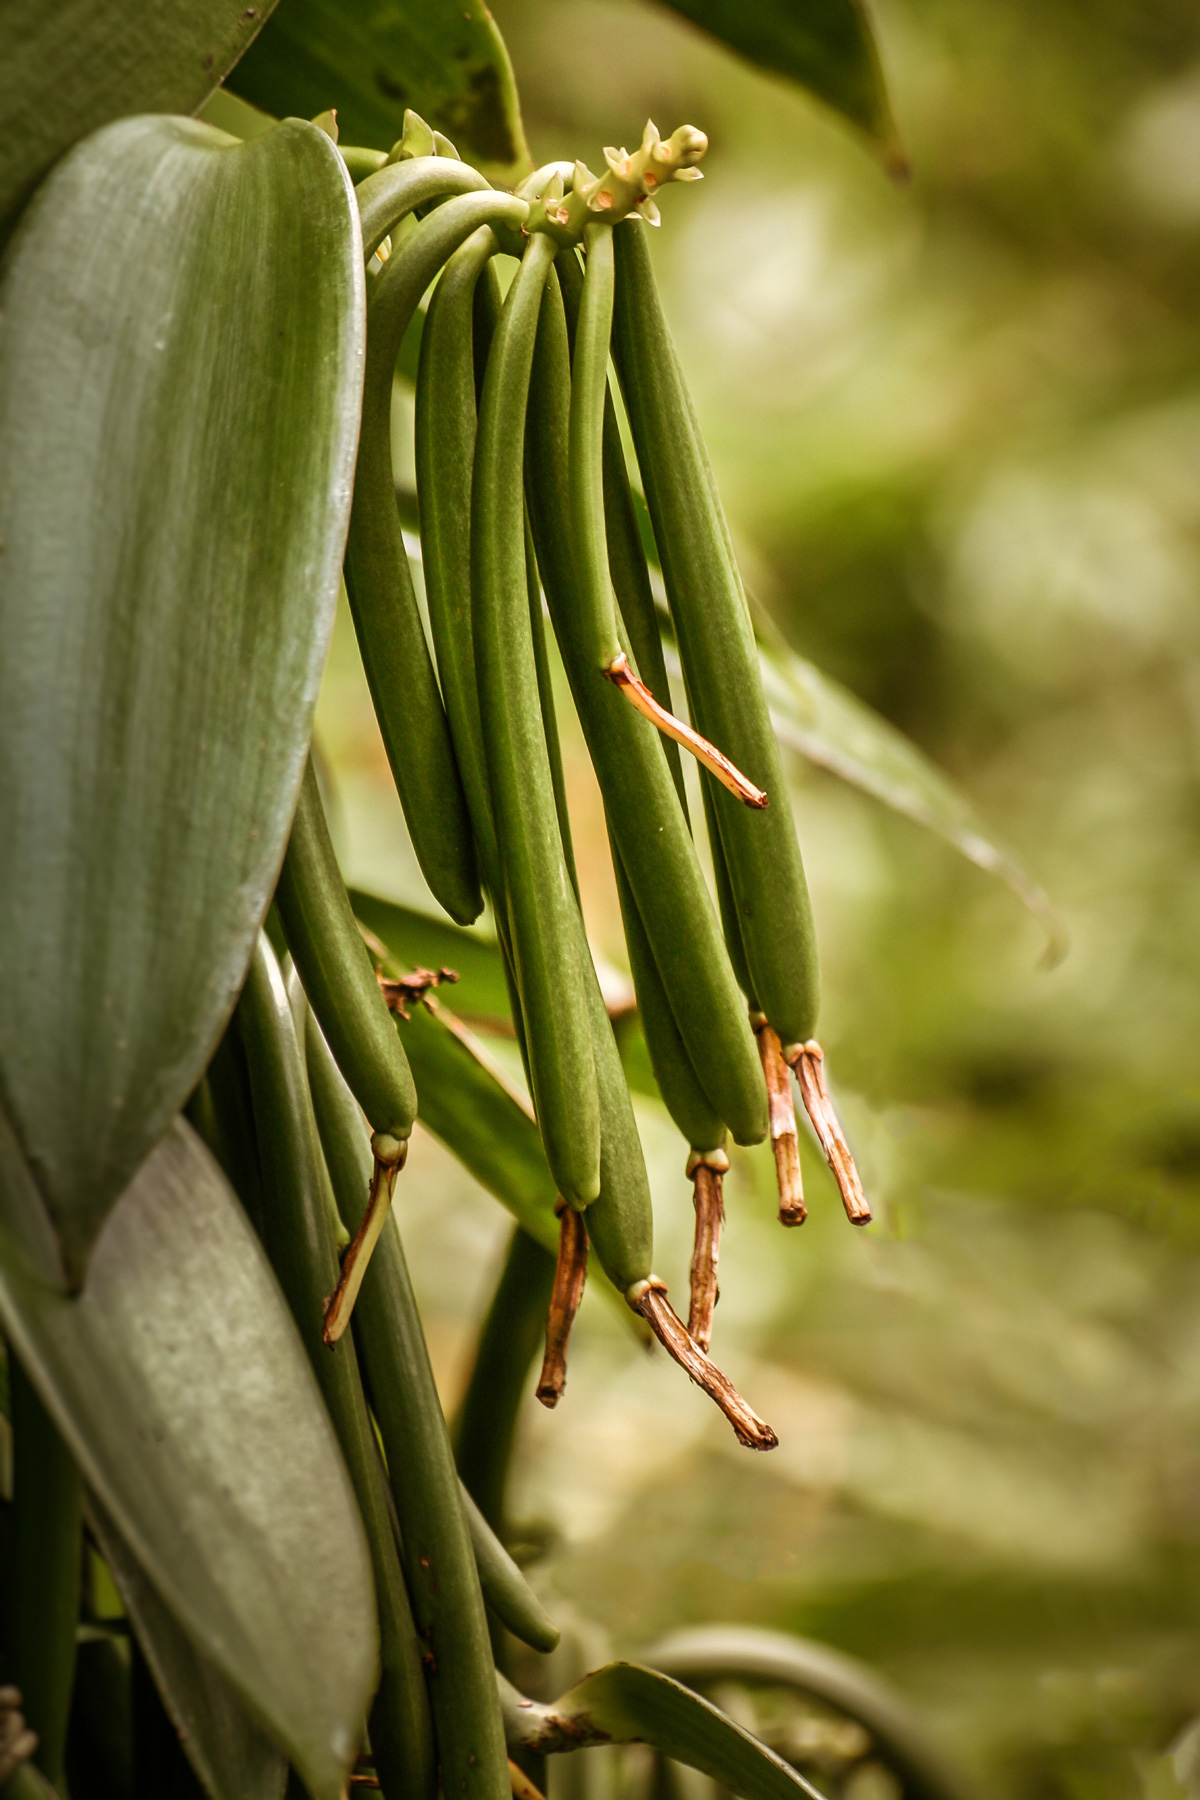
957 427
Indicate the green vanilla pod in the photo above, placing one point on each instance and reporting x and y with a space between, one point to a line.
508 1344
678 1083
505 1590
445 450
361 162
439 1560
398 189
717 648
545 684
541 916
338 977
45 1554
299 1241
399 670
641 802
626 556
585 454
337 973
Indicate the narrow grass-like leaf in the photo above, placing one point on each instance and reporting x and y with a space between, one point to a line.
180 370
827 46
69 68
624 1703
444 58
822 720
178 1382
227 1749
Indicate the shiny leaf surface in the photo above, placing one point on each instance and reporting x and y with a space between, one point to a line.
443 58
226 1748
180 1385
69 68
827 46
180 369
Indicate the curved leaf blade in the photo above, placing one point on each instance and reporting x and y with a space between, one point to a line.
827 46
702 1655
226 1748
69 68
624 1703
178 419
180 1385
823 721
444 58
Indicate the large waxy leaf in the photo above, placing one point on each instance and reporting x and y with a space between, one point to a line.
624 1703
828 46
224 1745
180 369
70 67
179 1383
370 59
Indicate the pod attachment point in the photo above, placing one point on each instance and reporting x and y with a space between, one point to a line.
390 1154
707 1169
649 1297
570 1274
638 694
784 1142
808 1061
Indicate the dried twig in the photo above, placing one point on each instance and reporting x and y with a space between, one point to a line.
522 1787
808 1061
570 1273
403 991
649 1298
639 695
784 1142
390 1154
707 1169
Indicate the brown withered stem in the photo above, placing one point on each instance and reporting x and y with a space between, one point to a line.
808 1060
522 1787
639 695
707 1170
403 991
784 1142
570 1273
390 1156
650 1299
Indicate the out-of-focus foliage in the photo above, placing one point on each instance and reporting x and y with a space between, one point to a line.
958 431
370 62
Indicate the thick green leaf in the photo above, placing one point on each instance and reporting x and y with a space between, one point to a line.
707 1654
70 67
228 1751
180 369
180 1385
370 59
828 46
624 1703
825 722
